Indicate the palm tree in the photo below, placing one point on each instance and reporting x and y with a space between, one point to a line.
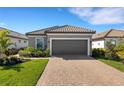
4 41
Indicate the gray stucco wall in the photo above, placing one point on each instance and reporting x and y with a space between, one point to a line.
31 41
69 36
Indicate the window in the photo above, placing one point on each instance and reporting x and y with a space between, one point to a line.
25 41
39 43
19 41
98 43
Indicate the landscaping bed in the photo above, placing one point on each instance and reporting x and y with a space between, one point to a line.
32 52
23 74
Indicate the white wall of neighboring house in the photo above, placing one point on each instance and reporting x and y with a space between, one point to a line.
20 43
98 44
101 43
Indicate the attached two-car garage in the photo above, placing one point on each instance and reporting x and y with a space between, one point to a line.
69 47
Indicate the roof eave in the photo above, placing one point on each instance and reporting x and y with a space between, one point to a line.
36 34
17 37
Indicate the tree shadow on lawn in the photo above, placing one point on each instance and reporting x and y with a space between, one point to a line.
16 68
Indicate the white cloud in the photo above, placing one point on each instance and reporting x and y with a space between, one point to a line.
100 15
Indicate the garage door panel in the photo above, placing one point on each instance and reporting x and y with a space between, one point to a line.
69 47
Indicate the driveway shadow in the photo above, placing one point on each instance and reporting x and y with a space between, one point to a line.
74 57
16 68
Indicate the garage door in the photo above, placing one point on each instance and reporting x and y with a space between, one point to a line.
69 47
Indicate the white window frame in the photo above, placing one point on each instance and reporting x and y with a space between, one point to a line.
36 41
88 44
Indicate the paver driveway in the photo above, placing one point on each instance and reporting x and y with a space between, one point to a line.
78 70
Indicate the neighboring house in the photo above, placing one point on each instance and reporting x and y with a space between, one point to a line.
99 39
19 40
63 40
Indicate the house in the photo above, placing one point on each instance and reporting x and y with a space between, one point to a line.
19 40
113 35
62 40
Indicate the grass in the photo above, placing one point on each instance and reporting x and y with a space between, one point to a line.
24 74
116 64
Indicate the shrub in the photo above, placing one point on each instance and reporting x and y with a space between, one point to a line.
10 61
36 54
39 53
30 49
12 51
47 52
1 61
2 55
15 60
31 52
43 54
111 51
39 49
120 49
25 53
98 52
112 55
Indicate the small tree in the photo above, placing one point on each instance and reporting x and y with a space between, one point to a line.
4 41
110 50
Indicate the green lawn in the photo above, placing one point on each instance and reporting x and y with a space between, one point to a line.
24 74
116 64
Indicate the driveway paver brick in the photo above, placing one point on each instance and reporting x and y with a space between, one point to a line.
78 71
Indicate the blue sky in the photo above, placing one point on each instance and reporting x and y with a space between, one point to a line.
28 19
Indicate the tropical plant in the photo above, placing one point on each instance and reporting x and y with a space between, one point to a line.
111 52
120 48
4 41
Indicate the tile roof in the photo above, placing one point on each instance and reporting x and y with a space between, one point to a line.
61 29
70 29
15 34
41 31
112 33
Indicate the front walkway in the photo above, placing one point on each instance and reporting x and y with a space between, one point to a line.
78 70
